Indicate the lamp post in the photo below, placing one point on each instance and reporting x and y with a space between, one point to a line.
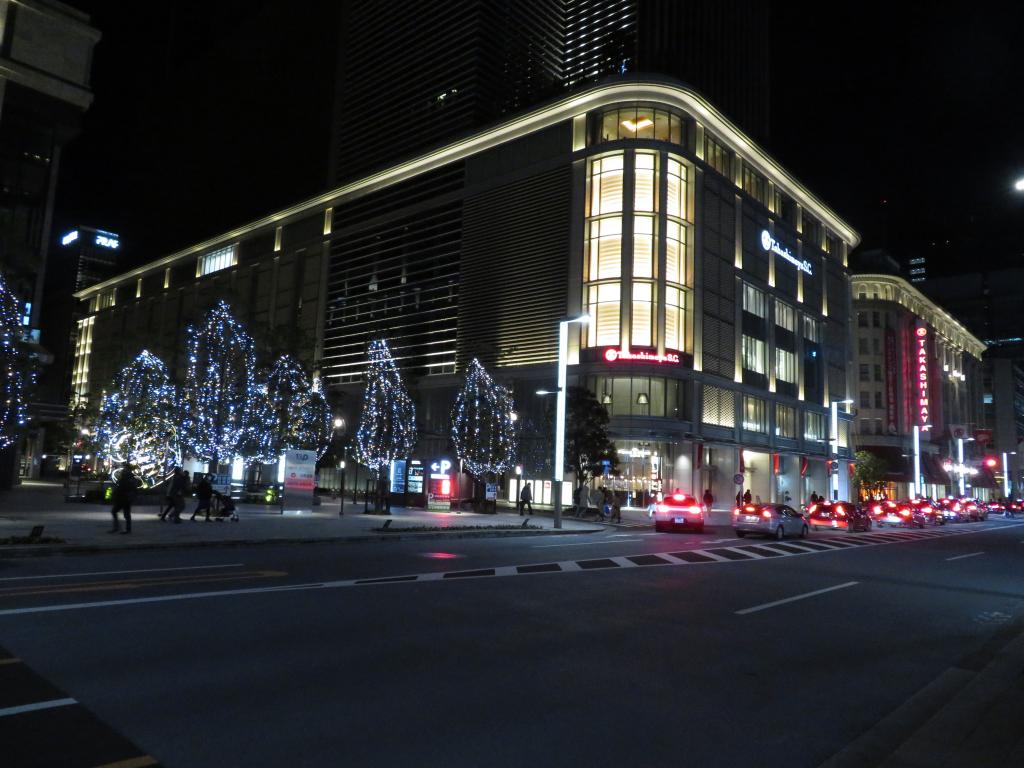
916 486
339 425
834 444
1006 477
563 363
962 482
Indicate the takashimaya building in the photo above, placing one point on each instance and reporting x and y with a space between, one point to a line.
715 283
919 367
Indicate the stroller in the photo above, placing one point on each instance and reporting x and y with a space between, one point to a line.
224 508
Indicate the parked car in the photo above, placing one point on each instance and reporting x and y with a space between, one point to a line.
953 510
838 516
975 509
679 512
777 520
879 508
928 509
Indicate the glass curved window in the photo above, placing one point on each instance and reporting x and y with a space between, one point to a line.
644 184
603 307
642 334
637 122
606 185
643 246
605 249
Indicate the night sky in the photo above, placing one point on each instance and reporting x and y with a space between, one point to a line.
905 121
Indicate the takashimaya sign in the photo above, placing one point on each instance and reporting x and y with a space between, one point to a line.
769 243
613 355
921 358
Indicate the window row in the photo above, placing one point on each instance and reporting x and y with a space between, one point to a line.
604 306
865 399
604 249
214 261
638 122
641 395
717 410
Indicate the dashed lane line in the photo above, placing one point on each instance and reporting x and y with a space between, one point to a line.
120 573
963 557
584 543
22 709
735 554
794 598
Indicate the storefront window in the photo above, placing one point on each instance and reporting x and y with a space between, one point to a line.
639 395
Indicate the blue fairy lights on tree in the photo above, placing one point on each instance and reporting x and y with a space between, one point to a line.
483 424
387 426
17 374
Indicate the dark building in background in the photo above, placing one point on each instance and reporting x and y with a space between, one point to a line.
409 80
45 64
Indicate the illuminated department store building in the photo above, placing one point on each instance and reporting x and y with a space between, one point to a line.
716 286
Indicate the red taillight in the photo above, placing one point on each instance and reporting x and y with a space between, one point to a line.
750 508
813 508
904 513
840 510
840 513
736 512
662 507
766 515
694 510
926 509
678 496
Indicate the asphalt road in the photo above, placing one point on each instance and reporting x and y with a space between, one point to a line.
625 647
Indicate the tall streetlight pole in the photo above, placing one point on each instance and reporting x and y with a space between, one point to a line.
962 482
563 364
834 443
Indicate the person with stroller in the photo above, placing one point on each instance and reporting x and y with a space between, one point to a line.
204 494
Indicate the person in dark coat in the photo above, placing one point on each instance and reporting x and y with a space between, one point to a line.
124 494
176 492
525 499
204 494
747 497
709 499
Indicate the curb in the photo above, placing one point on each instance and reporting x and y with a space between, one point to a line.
85 549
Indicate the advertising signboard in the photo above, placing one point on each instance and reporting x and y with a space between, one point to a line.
299 473
439 490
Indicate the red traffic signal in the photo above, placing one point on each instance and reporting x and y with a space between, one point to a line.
990 461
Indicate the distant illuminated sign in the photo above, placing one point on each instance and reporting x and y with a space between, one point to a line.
70 237
921 354
769 243
613 355
106 241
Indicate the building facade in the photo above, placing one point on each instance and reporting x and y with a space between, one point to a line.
715 284
917 368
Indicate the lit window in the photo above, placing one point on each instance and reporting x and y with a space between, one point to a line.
167 278
812 330
214 261
717 156
644 184
814 426
603 308
675 253
753 354
643 246
107 299
754 414
606 185
785 316
138 288
785 421
605 249
785 365
718 406
643 317
754 301
755 185
675 318
675 196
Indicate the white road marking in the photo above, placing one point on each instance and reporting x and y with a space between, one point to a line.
804 596
719 541
118 573
961 557
583 543
37 706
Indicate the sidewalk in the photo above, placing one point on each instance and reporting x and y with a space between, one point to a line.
85 527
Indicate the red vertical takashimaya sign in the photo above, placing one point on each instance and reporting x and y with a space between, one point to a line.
922 376
890 382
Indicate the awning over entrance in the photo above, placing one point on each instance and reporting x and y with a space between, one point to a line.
931 468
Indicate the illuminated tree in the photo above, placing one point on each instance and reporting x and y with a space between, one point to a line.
387 426
136 419
17 374
220 388
483 424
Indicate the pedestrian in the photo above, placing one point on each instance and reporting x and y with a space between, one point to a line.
179 490
616 507
814 498
123 496
169 502
709 499
747 497
606 504
204 494
581 501
525 500
739 498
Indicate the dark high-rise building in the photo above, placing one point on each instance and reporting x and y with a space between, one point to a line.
410 80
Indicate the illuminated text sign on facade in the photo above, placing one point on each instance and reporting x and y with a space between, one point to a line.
769 243
107 241
921 356
640 356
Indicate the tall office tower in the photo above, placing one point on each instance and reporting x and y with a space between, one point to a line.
414 75
720 47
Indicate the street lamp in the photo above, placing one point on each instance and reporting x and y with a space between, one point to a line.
962 482
563 363
339 426
1019 184
916 486
834 443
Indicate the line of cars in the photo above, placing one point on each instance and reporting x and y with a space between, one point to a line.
683 512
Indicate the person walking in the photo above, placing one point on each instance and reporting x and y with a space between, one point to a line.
169 504
204 494
178 491
525 500
709 499
124 494
581 501
747 497
616 507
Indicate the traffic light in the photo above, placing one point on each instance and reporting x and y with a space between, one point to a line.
990 462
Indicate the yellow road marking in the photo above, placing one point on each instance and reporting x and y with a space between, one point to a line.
11 660
131 762
103 586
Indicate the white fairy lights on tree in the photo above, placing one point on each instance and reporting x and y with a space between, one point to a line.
16 372
220 387
136 421
483 424
387 426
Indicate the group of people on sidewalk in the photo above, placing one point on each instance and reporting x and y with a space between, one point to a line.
127 485
606 503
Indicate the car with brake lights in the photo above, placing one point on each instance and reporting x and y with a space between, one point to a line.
953 510
679 512
928 510
775 520
879 509
975 509
838 516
